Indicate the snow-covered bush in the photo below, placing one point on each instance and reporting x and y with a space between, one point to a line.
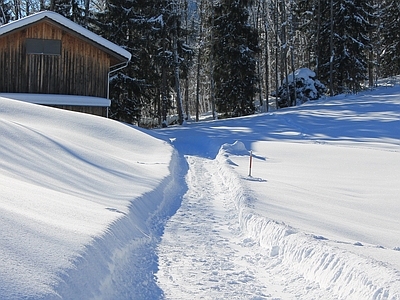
307 88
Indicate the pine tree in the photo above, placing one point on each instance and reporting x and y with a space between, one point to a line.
164 54
5 11
124 88
235 45
151 31
307 14
351 44
75 10
63 7
390 36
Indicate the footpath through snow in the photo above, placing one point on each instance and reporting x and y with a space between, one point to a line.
201 255
217 247
93 209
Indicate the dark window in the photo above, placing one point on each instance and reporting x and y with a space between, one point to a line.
41 46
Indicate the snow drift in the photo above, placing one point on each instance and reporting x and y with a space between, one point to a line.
346 274
76 191
94 209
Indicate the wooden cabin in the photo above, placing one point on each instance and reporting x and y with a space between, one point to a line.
46 53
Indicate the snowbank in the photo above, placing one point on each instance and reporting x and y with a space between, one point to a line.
76 191
341 270
84 200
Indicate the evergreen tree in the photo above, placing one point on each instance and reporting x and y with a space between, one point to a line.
235 45
151 31
63 7
302 86
115 24
390 37
5 12
75 10
308 16
351 44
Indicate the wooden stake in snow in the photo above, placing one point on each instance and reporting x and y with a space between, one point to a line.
251 162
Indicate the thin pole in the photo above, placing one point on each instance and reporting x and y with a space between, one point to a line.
251 162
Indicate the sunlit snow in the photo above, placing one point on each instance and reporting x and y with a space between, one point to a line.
95 209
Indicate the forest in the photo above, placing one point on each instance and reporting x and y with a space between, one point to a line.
232 57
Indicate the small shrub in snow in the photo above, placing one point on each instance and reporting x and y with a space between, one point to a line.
300 88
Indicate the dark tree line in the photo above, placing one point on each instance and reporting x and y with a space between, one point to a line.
230 56
235 47
149 89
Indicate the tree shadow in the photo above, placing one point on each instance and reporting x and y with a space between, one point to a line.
357 118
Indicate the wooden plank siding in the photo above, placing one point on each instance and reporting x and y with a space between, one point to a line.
81 69
94 110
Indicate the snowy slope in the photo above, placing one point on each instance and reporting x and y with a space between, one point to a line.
322 204
75 191
94 209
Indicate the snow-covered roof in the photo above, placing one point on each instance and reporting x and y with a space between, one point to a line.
55 99
66 23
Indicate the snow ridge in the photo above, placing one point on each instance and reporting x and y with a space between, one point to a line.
127 250
345 274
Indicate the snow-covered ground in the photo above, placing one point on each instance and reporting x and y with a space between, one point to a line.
77 193
94 209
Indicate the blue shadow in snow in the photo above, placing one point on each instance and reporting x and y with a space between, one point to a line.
357 118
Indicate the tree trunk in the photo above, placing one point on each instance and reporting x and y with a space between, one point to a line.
318 49
212 88
198 85
187 76
179 105
87 5
164 97
284 64
198 62
276 53
292 55
332 53
267 62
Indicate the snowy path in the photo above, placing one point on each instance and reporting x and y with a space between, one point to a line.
217 246
94 209
201 254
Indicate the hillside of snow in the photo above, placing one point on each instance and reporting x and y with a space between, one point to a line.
94 209
323 202
75 191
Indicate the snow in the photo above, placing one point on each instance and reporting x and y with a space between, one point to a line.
64 186
4 29
306 86
304 73
95 209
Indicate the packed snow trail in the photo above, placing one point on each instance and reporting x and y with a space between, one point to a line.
217 246
192 264
319 219
204 255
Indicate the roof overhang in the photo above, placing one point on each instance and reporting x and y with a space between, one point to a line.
109 47
56 99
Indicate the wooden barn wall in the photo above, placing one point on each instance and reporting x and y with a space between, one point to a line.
81 69
94 110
